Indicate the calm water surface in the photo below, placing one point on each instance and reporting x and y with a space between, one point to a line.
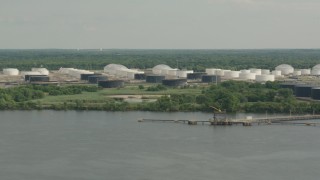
64 145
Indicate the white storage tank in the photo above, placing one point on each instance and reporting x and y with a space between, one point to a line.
256 71
296 73
247 76
221 72
315 72
65 70
113 68
211 71
183 73
173 72
305 71
42 71
231 74
245 71
11 71
23 73
265 71
285 69
276 72
265 78
161 69
316 66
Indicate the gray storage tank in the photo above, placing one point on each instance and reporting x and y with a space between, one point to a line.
211 78
139 76
85 76
95 78
196 75
154 78
315 93
174 82
27 76
38 78
302 90
111 83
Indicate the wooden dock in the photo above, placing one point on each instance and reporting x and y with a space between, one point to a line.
286 120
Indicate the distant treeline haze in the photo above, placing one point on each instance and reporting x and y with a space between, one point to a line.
196 60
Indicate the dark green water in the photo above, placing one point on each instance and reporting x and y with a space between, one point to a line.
59 145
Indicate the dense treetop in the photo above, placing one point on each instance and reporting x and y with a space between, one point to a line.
197 60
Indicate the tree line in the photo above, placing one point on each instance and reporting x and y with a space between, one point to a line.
196 60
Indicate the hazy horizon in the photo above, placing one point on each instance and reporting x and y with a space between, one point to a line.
155 24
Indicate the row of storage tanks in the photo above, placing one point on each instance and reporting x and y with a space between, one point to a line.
34 71
303 90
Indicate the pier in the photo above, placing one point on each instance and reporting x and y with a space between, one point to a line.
285 120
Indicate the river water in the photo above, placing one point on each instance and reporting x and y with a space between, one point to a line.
79 145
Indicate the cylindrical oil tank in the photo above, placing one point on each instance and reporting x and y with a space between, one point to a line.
305 71
247 76
264 78
221 72
139 76
285 69
245 71
265 71
289 86
111 83
174 82
211 78
27 76
256 71
315 93
85 76
95 78
210 71
303 90
315 72
183 73
154 78
276 72
231 74
173 72
23 73
11 71
296 73
42 71
38 78
196 75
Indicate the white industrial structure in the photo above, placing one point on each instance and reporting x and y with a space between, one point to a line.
42 71
265 77
247 76
166 70
305 71
121 71
296 73
74 72
316 66
183 73
11 71
23 73
285 69
276 73
231 74
256 71
265 71
315 72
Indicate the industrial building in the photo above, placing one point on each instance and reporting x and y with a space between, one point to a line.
111 83
174 82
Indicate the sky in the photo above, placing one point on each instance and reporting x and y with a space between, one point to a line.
159 24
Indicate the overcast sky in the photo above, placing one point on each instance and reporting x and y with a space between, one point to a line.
160 24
